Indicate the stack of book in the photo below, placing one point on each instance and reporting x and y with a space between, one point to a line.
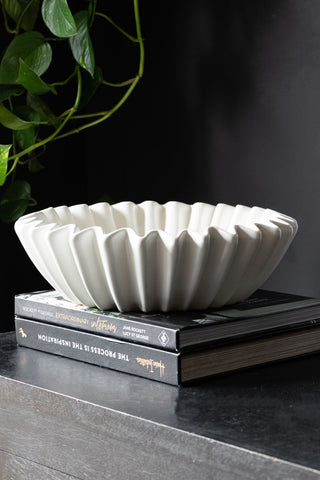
175 347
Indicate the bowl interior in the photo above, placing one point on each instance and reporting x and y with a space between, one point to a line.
172 217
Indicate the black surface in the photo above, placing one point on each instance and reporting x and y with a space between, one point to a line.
273 410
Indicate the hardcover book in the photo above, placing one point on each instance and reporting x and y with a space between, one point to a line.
161 365
265 312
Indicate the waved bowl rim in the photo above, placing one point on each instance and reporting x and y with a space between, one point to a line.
31 220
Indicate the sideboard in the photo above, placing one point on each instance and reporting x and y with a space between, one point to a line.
66 420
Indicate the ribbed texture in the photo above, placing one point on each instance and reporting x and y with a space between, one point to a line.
156 257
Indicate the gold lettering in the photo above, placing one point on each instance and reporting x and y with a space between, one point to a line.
150 363
103 325
23 335
72 318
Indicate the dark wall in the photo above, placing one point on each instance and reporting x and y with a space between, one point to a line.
60 183
228 111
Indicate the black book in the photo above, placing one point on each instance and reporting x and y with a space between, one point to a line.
161 365
264 313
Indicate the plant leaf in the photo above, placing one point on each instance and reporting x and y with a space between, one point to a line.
38 105
15 8
33 49
31 81
10 120
81 45
27 137
89 86
4 154
58 17
34 165
27 113
14 201
6 91
40 58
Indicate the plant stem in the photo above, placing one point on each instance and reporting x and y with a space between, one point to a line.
92 12
51 137
64 82
26 8
14 146
32 202
103 15
13 166
121 84
104 117
6 24
89 115
129 90
54 39
139 35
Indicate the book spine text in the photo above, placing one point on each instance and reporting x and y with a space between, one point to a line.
111 325
156 364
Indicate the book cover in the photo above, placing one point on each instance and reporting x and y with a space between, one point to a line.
264 312
160 365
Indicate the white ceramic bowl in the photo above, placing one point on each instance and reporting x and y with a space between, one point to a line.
149 256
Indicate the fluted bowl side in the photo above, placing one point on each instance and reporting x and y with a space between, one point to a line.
149 256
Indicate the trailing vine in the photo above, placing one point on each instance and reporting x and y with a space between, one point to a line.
24 91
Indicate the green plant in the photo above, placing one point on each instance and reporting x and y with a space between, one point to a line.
36 29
